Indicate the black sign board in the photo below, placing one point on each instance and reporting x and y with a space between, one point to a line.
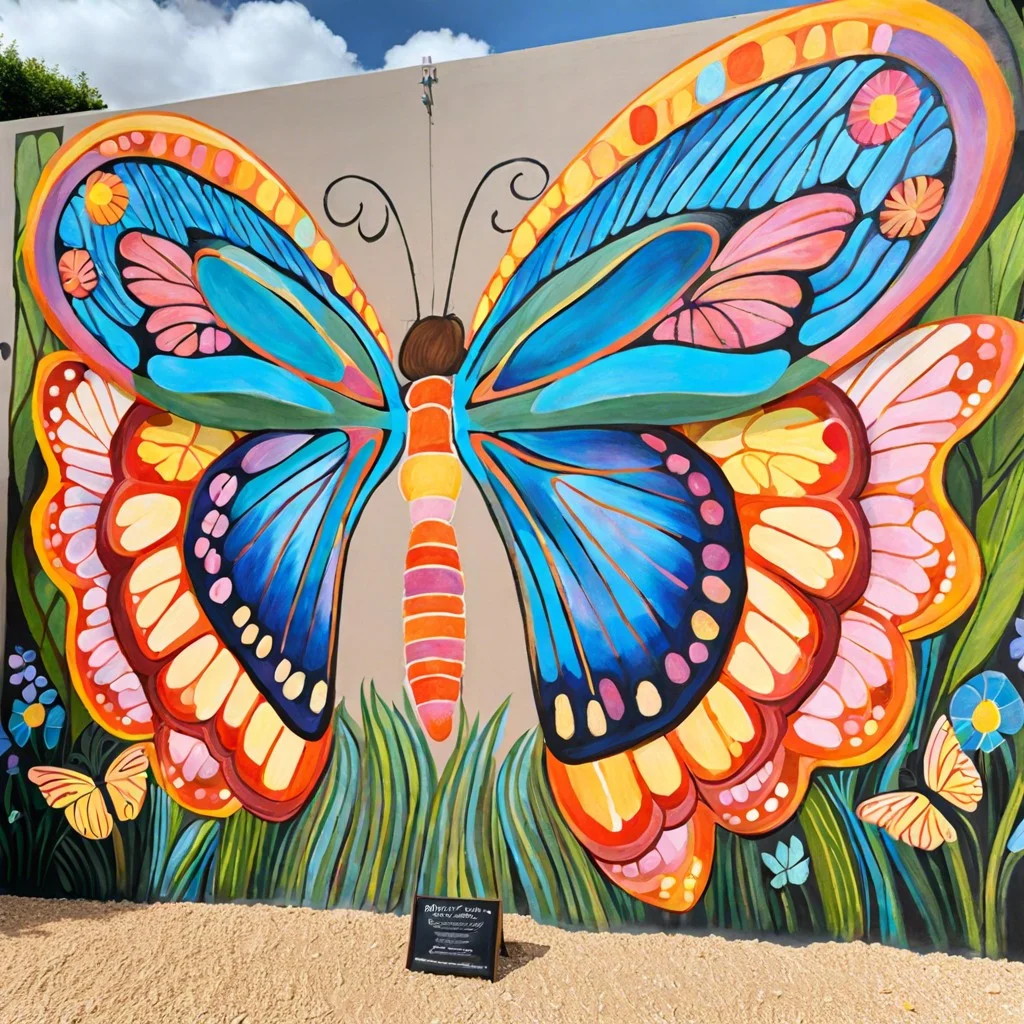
455 937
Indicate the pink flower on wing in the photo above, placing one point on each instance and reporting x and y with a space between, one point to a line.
883 107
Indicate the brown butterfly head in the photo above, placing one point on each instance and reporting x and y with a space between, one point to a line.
433 346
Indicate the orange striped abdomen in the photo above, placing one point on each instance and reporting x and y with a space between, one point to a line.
434 606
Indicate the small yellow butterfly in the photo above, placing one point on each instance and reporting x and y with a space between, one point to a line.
82 798
911 816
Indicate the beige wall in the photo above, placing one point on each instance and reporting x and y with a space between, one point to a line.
545 103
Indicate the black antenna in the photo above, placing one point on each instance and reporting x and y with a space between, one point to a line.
525 197
428 76
373 236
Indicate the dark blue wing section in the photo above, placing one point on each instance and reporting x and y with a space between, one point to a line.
265 546
629 561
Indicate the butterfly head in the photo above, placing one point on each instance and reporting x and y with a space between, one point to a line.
433 346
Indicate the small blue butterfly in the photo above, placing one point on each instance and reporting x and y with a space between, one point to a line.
789 865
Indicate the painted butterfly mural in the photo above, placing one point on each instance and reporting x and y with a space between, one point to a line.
82 798
910 815
714 459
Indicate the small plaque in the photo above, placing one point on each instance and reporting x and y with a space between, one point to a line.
455 937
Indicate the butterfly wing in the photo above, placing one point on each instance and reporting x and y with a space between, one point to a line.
948 770
909 817
731 235
126 782
89 816
77 414
256 411
623 543
734 232
187 273
60 787
78 796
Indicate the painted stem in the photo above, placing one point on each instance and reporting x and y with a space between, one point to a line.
968 911
120 864
998 851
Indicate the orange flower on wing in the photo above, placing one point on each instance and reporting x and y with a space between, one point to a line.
77 273
910 206
106 197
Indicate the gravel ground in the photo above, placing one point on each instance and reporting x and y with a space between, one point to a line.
62 962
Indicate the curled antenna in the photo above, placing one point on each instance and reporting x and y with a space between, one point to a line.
372 236
514 189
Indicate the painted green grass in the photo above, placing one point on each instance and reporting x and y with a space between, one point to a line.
383 825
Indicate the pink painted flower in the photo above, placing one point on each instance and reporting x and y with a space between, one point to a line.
883 107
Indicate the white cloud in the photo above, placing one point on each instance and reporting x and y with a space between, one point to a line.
139 52
440 45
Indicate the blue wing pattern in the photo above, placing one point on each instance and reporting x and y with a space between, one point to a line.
264 548
646 241
628 558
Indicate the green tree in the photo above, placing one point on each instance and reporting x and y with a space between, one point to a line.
30 88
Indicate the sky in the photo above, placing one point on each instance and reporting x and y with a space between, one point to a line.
139 52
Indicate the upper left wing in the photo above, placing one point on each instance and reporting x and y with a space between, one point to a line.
187 273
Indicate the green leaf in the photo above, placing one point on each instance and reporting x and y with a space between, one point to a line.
834 870
32 338
240 850
1009 14
42 603
1000 532
991 281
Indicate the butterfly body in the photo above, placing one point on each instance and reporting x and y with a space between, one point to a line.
434 606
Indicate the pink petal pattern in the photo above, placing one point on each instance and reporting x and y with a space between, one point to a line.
159 275
745 301
902 98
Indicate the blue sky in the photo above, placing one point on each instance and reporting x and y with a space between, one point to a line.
180 49
372 26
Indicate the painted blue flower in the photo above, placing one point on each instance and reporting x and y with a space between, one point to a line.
1016 841
25 717
1017 644
26 673
789 865
985 710
5 741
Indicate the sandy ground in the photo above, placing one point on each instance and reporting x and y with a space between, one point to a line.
63 962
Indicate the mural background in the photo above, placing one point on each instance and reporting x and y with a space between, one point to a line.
388 819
